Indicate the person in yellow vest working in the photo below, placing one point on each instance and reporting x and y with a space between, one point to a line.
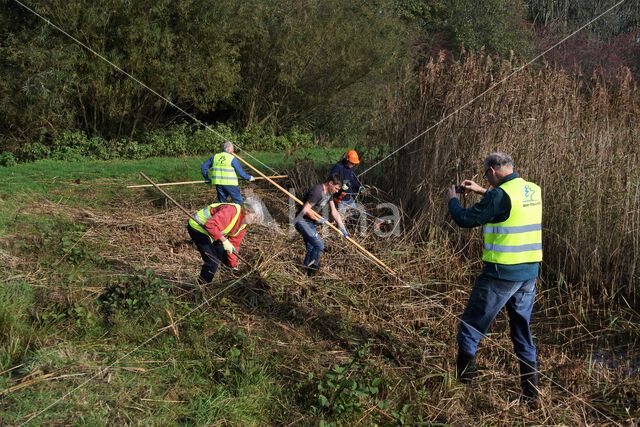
217 231
226 169
511 218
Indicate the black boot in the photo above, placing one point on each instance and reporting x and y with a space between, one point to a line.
529 380
465 367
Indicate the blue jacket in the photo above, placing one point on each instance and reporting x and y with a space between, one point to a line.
235 163
347 176
495 206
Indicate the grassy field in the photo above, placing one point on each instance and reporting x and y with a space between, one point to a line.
53 309
99 323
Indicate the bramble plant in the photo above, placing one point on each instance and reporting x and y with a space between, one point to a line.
343 388
133 294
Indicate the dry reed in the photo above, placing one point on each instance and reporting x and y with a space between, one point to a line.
575 136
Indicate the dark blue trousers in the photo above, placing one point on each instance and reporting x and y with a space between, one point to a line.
226 191
212 254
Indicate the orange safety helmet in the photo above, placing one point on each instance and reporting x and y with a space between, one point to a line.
352 156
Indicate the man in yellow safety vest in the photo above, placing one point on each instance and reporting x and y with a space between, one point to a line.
511 218
226 169
217 231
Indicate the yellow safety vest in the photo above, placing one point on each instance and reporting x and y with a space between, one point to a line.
223 171
204 214
518 239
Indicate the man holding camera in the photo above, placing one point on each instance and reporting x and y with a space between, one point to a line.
511 218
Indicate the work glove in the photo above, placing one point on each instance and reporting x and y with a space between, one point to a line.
207 181
345 187
226 244
344 231
320 221
252 178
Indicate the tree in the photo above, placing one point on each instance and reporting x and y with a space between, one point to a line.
315 61
183 50
498 26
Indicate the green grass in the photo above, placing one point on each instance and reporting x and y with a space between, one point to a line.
45 174
181 390
210 373
97 183
53 330
16 332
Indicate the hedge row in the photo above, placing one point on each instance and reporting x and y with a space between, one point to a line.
179 140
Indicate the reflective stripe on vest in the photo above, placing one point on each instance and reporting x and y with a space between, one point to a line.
518 239
204 214
242 227
223 171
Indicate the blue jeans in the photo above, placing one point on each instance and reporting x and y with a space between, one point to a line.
487 298
349 202
346 205
312 241
225 191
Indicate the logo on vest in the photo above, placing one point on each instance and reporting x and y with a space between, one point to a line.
529 197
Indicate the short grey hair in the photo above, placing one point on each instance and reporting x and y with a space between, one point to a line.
254 207
227 146
496 160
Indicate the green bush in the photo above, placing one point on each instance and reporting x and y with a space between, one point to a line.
7 159
98 149
33 151
181 140
73 154
205 141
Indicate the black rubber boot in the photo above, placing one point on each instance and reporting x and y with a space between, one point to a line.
465 367
529 378
312 271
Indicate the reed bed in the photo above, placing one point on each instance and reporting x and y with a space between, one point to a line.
574 135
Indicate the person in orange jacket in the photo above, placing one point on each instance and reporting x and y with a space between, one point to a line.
217 231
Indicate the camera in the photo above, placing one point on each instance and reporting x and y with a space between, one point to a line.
460 189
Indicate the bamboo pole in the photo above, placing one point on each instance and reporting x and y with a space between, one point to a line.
153 184
353 242
166 184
